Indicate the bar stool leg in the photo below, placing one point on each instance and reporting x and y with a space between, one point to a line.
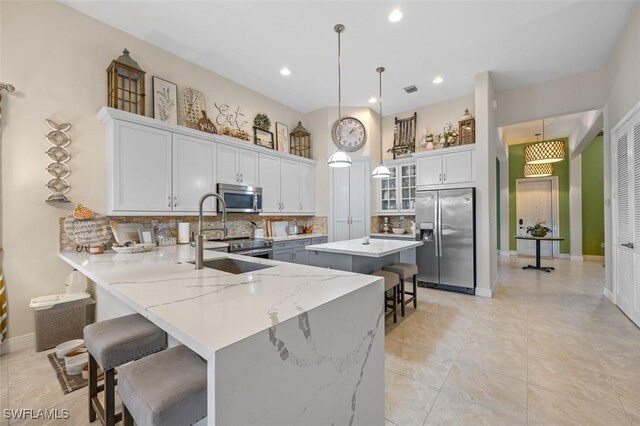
402 297
126 416
93 386
109 397
395 304
415 291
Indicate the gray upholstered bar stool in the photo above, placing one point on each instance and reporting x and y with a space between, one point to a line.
110 344
391 282
406 270
164 389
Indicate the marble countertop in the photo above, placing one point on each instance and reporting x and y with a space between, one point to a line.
208 309
375 248
404 236
296 237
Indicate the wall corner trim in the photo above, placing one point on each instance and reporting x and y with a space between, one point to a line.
18 343
609 295
484 292
577 258
505 253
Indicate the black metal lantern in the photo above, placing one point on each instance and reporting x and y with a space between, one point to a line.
125 84
300 141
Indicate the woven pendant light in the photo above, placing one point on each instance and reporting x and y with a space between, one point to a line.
550 151
538 170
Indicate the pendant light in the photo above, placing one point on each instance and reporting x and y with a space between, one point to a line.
550 151
537 170
339 158
382 171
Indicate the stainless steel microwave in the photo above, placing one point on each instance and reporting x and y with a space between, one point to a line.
241 198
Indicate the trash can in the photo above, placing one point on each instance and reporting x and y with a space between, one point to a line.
61 317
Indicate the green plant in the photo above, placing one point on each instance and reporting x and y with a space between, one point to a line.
539 229
262 121
403 149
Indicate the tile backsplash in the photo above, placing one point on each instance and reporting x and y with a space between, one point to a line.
238 224
396 222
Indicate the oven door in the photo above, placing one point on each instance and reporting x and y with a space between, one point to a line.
261 253
241 199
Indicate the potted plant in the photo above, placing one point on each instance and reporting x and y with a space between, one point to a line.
262 121
539 230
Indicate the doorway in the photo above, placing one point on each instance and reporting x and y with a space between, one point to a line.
537 200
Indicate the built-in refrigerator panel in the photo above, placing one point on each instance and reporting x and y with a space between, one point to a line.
456 238
426 220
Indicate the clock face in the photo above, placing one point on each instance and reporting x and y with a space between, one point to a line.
349 134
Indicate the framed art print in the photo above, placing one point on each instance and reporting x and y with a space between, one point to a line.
282 137
165 100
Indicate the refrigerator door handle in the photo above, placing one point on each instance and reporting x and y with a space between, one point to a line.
439 207
436 234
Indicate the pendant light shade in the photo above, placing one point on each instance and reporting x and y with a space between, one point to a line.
550 151
382 171
339 158
538 170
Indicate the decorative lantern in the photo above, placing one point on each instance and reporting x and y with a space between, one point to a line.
466 129
300 141
125 84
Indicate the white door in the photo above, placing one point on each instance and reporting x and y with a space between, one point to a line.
289 186
193 173
227 165
248 167
270 183
534 203
307 174
457 167
429 170
627 216
358 202
340 202
142 169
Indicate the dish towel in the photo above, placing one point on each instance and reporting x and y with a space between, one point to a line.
3 309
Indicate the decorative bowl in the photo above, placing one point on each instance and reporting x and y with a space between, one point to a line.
398 231
135 248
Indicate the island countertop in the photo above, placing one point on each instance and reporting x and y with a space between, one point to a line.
208 309
375 248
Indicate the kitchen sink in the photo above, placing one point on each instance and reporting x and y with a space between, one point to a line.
233 266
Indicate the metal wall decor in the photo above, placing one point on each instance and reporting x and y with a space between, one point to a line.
300 141
544 152
538 170
125 84
59 170
466 129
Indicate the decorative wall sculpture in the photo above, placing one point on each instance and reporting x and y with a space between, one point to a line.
59 170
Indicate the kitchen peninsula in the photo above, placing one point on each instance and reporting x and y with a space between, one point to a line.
358 256
284 344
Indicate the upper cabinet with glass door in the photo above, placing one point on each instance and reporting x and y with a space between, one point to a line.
397 193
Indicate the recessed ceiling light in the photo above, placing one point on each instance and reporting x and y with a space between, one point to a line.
438 80
372 100
395 16
285 71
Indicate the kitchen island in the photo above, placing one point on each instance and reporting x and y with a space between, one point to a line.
355 256
288 344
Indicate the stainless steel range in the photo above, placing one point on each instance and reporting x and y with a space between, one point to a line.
254 247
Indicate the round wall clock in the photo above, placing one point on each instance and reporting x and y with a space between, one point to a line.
349 134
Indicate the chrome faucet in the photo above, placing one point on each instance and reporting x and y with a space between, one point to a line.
200 235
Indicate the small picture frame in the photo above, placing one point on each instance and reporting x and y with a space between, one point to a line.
282 137
263 138
165 100
146 235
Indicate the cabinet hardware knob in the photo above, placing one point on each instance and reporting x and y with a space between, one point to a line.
175 201
169 201
445 177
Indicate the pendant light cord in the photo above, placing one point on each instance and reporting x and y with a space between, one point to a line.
380 70
339 28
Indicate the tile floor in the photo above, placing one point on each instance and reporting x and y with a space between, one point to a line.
547 349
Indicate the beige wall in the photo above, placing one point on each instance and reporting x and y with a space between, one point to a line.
431 117
622 73
56 58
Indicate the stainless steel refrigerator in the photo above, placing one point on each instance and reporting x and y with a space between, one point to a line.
446 225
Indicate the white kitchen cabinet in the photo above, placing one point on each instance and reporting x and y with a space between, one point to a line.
237 166
350 211
193 173
140 169
287 185
446 167
397 193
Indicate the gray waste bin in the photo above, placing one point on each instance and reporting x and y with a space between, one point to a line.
61 317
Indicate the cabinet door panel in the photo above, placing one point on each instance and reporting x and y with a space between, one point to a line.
284 256
227 164
358 200
429 170
142 169
307 188
270 183
193 173
289 186
388 192
340 203
457 167
301 256
248 167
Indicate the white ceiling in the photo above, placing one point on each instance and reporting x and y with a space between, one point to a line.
523 42
563 126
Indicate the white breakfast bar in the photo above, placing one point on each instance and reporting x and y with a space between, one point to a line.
355 256
290 344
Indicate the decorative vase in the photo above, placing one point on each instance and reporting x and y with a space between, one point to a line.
538 233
